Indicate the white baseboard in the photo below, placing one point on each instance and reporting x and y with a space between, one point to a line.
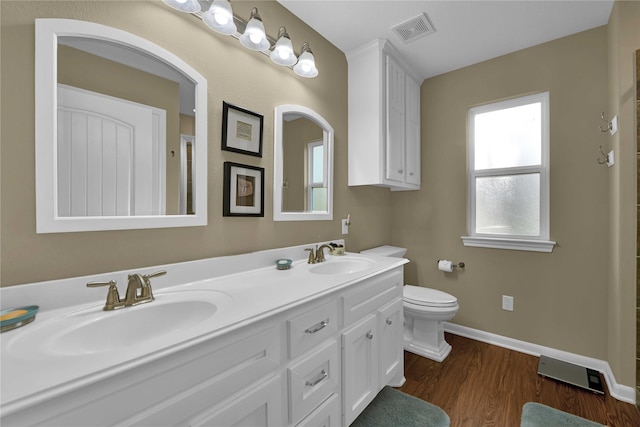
618 391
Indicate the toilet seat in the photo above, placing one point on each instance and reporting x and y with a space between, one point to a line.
427 297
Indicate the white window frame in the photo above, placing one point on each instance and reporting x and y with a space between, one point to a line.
540 243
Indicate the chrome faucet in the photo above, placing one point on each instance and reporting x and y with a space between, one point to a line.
320 252
132 297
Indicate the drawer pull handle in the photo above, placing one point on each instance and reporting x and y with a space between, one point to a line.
316 328
389 321
322 376
370 335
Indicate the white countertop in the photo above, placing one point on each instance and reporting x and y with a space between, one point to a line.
250 285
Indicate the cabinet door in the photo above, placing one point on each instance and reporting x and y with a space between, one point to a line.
395 170
359 367
390 330
412 132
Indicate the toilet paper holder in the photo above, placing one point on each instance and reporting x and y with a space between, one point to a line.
454 265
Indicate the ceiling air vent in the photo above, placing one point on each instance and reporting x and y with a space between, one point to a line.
414 28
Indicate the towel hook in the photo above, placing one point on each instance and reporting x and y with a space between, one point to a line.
609 125
601 160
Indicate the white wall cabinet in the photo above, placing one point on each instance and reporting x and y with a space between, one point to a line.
384 119
316 364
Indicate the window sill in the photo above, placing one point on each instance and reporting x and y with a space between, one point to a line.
511 244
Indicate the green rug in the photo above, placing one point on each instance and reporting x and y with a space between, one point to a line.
537 415
397 409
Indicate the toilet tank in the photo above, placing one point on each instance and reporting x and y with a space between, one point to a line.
386 250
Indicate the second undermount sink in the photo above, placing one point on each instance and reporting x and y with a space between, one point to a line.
342 265
93 331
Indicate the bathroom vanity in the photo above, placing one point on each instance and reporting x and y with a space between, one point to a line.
227 341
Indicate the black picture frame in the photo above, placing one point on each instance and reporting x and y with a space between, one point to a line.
241 130
243 193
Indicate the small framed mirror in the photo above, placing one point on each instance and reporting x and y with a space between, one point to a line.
121 132
303 165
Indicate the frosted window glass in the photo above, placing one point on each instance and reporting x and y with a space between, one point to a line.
510 137
508 205
319 199
318 164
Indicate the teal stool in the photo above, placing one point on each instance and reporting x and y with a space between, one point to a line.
395 408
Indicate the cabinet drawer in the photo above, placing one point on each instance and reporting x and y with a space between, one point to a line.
326 415
311 328
218 375
312 380
370 295
259 407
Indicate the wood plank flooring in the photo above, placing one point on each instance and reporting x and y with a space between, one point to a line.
485 385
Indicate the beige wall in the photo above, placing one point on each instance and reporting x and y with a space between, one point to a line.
235 75
624 40
560 298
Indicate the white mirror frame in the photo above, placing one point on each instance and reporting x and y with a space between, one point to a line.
278 214
47 219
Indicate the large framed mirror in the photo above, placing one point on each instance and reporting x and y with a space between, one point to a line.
121 132
303 165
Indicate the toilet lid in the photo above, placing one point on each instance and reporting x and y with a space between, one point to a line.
427 297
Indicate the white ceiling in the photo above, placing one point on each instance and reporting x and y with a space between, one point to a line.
466 32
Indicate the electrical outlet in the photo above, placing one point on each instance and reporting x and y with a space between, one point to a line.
507 303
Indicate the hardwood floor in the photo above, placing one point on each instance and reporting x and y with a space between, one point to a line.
484 385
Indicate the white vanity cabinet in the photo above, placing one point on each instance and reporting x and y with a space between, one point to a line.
318 362
372 353
384 119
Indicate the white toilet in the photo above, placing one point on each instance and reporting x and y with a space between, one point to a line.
425 310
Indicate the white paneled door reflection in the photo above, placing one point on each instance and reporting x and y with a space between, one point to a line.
111 156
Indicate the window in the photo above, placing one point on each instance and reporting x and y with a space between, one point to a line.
317 187
508 171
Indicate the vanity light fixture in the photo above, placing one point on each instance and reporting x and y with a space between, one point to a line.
220 18
282 53
254 36
189 6
306 66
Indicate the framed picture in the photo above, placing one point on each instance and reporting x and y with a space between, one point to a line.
241 130
243 190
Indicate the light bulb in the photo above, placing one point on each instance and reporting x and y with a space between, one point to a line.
284 54
221 18
256 38
306 66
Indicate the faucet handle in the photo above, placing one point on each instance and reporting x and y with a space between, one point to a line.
147 293
312 257
156 274
113 296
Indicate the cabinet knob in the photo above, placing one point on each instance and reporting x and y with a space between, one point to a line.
411 173
389 321
370 335
401 171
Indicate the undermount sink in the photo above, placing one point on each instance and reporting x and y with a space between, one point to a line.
342 265
93 331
